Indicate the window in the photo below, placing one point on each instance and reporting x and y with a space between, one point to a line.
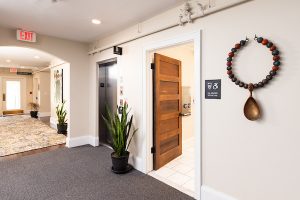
13 95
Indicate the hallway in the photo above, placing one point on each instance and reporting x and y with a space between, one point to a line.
77 174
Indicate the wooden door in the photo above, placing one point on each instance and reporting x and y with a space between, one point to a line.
167 109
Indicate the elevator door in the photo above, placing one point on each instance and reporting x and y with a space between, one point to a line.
108 74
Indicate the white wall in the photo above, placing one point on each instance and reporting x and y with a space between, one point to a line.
76 54
247 160
185 54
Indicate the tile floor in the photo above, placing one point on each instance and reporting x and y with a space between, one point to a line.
180 172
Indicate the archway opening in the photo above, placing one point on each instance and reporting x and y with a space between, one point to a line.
33 84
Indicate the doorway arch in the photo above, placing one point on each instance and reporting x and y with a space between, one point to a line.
29 58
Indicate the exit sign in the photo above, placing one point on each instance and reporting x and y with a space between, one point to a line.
26 36
13 70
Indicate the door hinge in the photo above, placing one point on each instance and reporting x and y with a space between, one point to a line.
152 66
152 149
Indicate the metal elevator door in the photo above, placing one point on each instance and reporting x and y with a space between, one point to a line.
108 80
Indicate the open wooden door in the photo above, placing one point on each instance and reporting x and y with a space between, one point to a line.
167 109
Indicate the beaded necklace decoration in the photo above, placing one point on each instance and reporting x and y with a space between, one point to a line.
251 108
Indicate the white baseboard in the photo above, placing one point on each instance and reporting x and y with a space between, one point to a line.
208 193
53 122
44 114
136 162
83 140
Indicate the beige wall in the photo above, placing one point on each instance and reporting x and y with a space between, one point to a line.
76 54
185 54
247 160
44 87
4 72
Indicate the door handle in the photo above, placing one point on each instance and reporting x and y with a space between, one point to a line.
4 97
184 114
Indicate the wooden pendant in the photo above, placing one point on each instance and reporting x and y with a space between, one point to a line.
251 108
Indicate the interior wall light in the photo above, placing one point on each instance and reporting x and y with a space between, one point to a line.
96 21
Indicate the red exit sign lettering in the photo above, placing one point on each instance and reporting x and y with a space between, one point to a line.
13 70
26 36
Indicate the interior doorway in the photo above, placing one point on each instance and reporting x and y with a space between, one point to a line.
173 114
28 92
13 96
193 38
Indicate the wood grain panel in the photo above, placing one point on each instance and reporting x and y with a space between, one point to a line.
169 106
169 125
169 69
167 87
169 144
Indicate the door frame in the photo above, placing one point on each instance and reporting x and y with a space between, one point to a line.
23 90
147 103
96 141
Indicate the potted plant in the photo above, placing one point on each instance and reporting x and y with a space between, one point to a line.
119 126
34 109
61 114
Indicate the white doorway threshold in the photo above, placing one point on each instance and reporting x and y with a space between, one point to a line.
180 172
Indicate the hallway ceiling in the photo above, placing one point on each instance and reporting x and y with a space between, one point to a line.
71 19
19 57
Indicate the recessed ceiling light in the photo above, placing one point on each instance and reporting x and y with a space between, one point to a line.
8 61
96 21
36 57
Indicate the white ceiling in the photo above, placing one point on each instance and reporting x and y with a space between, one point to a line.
71 19
21 57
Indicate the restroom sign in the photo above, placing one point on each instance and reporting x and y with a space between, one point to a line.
213 89
26 36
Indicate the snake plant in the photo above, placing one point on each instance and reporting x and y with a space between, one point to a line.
61 113
119 126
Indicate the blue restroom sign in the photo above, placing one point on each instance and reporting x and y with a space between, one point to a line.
213 89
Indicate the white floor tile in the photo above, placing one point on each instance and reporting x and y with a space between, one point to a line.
172 164
191 173
180 172
164 172
179 178
183 168
190 185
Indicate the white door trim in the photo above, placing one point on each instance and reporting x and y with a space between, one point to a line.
23 90
147 104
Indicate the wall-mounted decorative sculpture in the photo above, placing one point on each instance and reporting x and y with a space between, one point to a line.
186 14
251 108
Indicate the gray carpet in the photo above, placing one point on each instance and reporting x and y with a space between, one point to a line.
77 174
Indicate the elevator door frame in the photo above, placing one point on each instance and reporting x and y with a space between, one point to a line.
108 62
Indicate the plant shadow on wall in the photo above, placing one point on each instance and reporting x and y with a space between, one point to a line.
120 128
61 114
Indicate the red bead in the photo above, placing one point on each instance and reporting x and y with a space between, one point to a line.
229 72
231 54
237 46
275 68
276 58
229 64
265 42
273 48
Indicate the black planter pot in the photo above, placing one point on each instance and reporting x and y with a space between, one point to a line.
120 164
34 114
62 128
